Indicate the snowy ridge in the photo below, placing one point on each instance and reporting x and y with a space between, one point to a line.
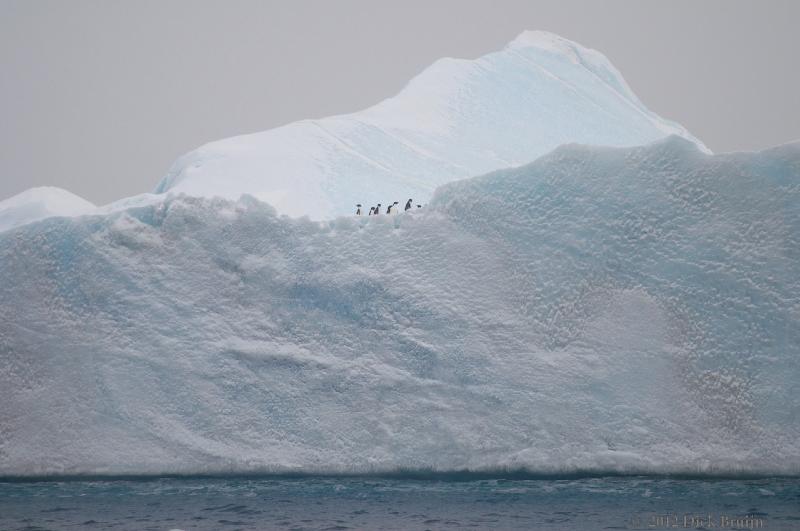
457 119
600 310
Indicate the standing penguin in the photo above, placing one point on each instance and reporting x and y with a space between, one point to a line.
358 209
378 209
371 210
389 209
408 204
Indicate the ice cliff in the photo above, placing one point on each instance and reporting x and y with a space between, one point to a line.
601 309
459 118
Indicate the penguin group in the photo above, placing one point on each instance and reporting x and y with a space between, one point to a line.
391 209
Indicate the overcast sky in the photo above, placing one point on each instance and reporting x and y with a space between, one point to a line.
99 97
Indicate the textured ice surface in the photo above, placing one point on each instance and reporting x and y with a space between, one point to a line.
600 309
459 118
39 203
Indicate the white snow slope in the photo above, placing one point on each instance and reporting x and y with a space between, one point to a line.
39 203
457 119
601 309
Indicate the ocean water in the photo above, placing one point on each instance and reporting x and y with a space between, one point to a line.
392 503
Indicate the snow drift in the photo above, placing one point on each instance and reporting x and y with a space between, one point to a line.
457 119
601 309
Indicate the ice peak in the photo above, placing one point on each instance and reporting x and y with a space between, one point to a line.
456 119
40 193
41 202
543 40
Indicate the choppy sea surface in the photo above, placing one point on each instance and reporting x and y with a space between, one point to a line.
380 503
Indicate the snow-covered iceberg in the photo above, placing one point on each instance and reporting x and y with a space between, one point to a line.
601 309
39 203
457 119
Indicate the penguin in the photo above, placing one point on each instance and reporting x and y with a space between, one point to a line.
378 209
408 204
419 206
358 209
389 209
371 210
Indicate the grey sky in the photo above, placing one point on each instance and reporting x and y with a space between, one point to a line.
100 97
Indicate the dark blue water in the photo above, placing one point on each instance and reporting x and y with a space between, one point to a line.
359 503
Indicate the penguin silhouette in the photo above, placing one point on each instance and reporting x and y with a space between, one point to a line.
408 204
389 209
371 210
378 209
358 210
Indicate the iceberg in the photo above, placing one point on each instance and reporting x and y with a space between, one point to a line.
625 310
457 119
